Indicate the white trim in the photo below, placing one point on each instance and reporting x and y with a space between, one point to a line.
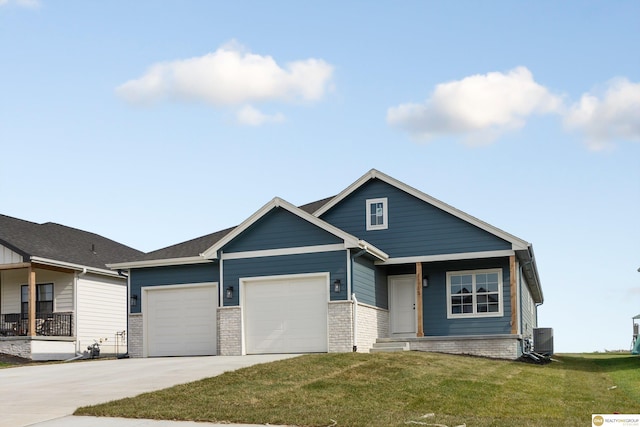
349 284
447 257
516 243
500 311
385 214
283 251
277 202
242 281
159 263
72 266
143 306
518 296
350 241
220 291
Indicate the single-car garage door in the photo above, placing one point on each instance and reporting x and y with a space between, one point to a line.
286 315
181 320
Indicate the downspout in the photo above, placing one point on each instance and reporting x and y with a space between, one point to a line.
355 323
75 308
355 304
128 310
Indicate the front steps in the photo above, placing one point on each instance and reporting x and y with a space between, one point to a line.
389 346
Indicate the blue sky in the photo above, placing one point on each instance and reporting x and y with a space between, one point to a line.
156 122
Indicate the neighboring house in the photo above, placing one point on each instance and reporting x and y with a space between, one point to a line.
381 261
56 294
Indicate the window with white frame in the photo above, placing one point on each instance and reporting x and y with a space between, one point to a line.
377 214
475 293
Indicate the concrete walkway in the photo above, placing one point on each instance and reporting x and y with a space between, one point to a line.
71 421
33 394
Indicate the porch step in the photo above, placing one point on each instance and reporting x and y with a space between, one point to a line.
389 346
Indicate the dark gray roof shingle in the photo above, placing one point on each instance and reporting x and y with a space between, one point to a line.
195 247
61 243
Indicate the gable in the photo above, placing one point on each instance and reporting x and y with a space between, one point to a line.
7 256
279 228
415 227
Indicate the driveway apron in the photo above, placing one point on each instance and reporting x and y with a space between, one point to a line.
32 394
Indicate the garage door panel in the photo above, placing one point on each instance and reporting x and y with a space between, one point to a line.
286 315
181 321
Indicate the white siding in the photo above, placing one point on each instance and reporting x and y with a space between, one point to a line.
12 280
529 320
7 256
101 312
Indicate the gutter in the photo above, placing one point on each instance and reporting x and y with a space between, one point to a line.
72 266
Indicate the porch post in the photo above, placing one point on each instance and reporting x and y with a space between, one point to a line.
32 301
513 291
420 332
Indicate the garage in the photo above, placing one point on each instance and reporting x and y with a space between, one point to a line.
286 314
180 320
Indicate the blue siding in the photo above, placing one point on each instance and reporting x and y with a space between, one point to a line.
434 300
369 283
280 229
335 263
414 227
171 275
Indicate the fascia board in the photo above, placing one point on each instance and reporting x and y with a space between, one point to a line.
71 266
516 243
380 254
349 240
158 263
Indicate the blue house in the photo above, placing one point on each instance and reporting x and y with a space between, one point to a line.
380 264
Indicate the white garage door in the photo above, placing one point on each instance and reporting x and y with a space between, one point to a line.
286 315
181 320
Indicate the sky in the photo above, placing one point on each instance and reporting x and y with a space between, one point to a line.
152 123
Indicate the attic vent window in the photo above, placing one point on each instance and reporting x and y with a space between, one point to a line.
377 214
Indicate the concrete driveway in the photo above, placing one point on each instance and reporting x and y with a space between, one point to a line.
32 394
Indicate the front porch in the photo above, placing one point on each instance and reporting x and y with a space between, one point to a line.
46 324
37 318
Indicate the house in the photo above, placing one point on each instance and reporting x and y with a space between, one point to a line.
56 294
379 262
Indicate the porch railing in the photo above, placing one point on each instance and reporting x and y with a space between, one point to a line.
47 324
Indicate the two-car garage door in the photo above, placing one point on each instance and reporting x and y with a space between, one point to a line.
181 320
280 315
286 315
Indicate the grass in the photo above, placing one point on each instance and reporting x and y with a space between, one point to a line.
400 389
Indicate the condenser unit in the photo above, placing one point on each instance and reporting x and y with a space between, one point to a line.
543 340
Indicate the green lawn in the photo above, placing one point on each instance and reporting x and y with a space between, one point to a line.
399 389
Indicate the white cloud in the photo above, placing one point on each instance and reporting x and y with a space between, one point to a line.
230 76
29 4
251 116
614 115
479 107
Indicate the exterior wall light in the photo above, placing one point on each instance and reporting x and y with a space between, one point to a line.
337 286
425 282
133 300
229 292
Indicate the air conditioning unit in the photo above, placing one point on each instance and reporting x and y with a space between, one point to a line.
543 340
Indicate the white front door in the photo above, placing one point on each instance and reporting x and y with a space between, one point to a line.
402 305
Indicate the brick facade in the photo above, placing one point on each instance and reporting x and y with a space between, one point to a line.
372 323
340 327
135 336
494 346
229 331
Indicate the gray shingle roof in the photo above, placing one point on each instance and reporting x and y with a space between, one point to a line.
195 247
61 243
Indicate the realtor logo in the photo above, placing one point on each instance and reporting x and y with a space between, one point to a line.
618 420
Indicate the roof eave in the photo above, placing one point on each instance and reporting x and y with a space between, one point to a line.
158 263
